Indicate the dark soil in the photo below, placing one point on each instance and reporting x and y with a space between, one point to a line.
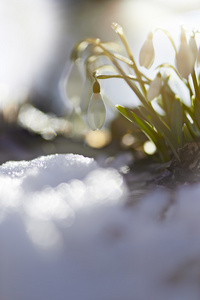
146 175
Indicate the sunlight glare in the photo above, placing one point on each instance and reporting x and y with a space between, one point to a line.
28 30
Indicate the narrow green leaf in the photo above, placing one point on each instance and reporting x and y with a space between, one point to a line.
126 113
136 118
146 128
168 99
194 129
161 127
196 105
156 138
187 135
177 122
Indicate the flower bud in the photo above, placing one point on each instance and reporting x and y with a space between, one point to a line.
96 109
147 53
184 57
154 88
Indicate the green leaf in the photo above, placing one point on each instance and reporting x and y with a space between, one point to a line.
194 129
167 98
187 135
196 105
139 122
177 122
155 121
148 130
126 113
153 118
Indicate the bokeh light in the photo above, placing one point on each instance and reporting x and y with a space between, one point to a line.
98 139
149 147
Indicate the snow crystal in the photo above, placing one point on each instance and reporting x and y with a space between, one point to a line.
67 233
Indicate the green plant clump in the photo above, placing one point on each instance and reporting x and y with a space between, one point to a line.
172 125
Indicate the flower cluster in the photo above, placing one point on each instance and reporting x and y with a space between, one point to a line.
174 123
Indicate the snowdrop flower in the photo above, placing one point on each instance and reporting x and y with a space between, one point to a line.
184 57
74 83
154 88
193 46
96 109
85 96
147 53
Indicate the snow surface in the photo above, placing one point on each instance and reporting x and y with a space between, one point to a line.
67 233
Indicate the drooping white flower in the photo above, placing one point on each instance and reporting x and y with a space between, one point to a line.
96 109
85 96
154 88
74 83
147 53
193 46
184 57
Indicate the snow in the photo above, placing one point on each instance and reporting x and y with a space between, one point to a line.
66 232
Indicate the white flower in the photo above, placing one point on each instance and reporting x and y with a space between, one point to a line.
184 57
147 53
96 109
74 83
154 88
85 96
193 47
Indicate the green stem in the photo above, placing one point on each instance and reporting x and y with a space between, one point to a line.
196 87
118 29
169 37
189 88
166 65
121 71
120 76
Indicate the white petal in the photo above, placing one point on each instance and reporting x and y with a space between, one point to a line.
193 47
147 54
74 83
184 60
154 88
86 96
96 112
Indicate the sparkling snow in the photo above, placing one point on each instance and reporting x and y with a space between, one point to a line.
67 233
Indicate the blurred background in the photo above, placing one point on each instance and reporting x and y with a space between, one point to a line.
37 37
